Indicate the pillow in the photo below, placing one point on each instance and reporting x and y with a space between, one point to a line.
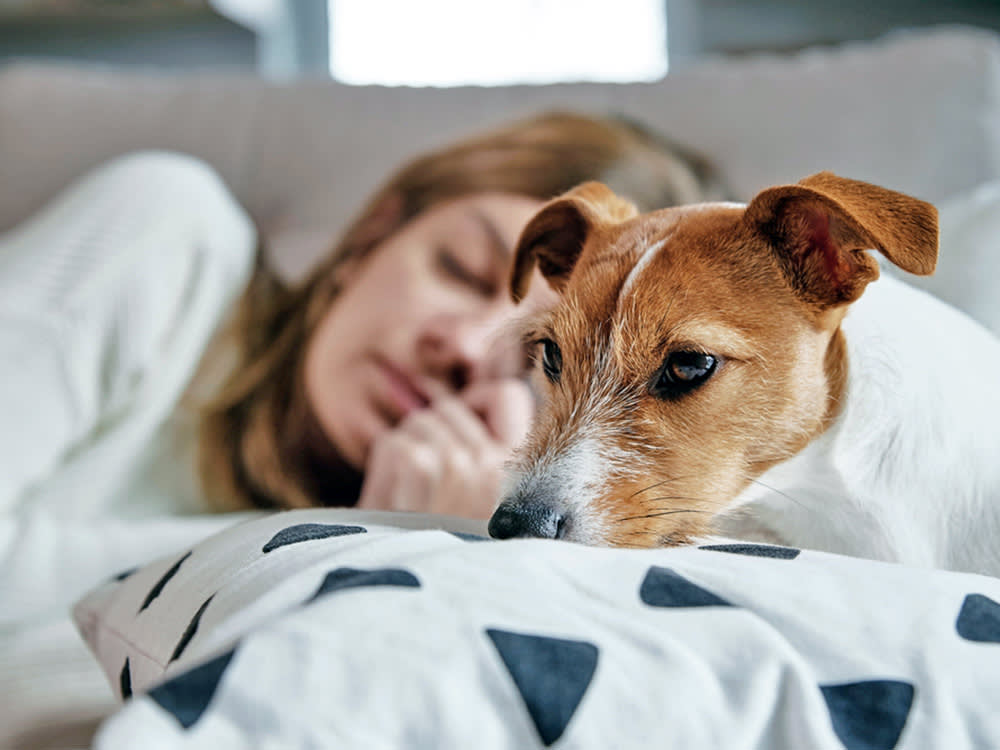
969 260
305 629
120 622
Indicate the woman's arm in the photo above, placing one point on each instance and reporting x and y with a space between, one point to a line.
107 298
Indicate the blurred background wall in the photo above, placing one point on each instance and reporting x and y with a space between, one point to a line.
289 38
175 35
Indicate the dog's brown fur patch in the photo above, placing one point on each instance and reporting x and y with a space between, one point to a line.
763 290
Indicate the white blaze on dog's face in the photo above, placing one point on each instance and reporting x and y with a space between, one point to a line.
691 349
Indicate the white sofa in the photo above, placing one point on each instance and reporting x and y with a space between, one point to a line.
917 111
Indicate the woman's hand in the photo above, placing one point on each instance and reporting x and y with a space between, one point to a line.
448 458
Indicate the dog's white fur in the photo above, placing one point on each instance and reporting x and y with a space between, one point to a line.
910 470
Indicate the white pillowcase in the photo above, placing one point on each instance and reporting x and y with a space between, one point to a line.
305 629
968 269
233 569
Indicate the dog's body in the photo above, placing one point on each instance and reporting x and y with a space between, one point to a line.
716 370
909 471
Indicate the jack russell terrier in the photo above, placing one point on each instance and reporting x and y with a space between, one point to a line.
725 369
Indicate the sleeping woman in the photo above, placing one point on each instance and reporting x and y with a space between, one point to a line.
153 363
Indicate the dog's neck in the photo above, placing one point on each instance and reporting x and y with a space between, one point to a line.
911 454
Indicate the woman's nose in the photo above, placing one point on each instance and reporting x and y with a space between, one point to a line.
458 349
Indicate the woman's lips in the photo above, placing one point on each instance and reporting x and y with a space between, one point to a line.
402 394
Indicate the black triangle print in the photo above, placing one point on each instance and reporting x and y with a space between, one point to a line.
187 695
551 674
467 537
306 532
756 550
869 715
190 630
979 619
164 579
124 574
125 681
662 587
350 578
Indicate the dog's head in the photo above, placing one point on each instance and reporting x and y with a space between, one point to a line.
690 350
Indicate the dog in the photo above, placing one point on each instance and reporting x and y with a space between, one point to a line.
732 370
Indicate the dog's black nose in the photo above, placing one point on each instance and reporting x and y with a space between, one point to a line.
533 519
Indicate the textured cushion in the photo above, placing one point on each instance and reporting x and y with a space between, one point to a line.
304 629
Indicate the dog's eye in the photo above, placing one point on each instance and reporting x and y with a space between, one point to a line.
551 359
683 372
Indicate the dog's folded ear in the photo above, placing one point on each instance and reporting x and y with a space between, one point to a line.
555 237
822 227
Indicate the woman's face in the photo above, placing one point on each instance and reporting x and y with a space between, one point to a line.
418 317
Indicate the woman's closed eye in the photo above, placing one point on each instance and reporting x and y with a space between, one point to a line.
455 268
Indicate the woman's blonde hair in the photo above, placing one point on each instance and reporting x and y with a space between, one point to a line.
259 444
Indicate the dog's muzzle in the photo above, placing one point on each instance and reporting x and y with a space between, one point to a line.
527 518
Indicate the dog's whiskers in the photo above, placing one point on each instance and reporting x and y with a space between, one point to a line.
658 484
661 513
785 495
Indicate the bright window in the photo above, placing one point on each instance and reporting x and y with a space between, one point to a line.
496 42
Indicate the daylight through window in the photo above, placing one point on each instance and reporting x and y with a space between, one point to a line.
474 42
